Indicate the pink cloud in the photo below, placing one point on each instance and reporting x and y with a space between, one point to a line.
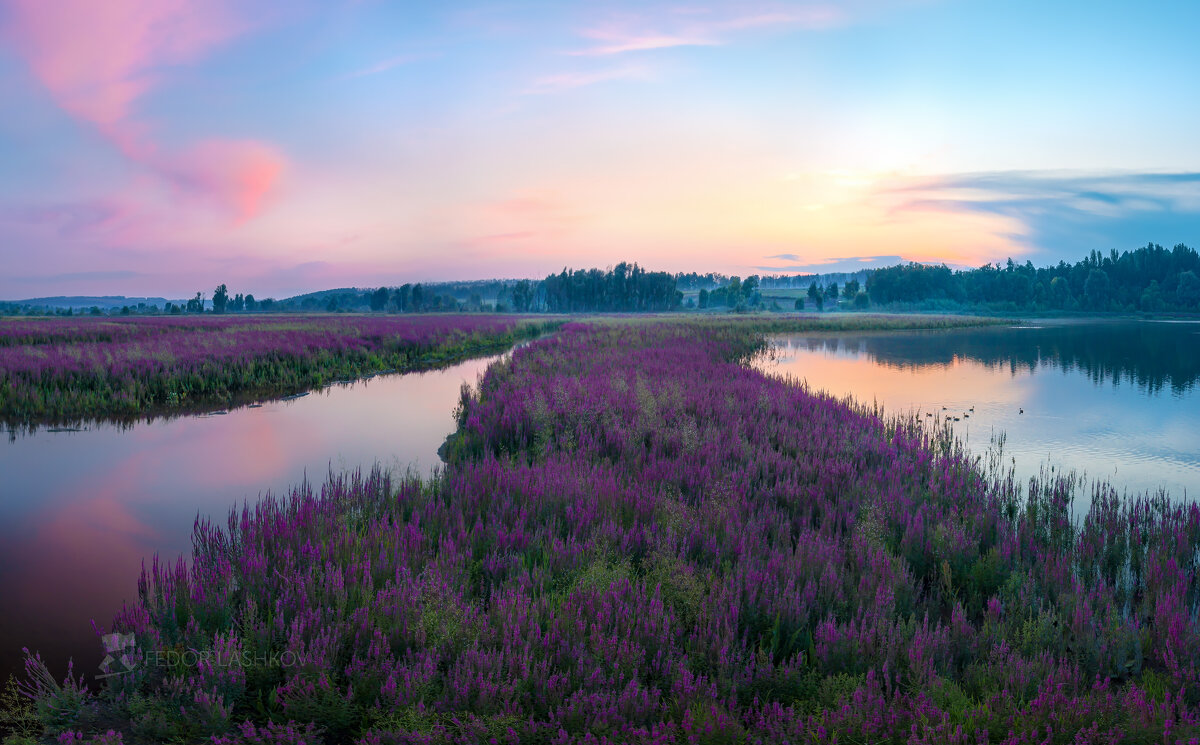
519 235
526 213
708 28
98 59
534 220
617 43
526 205
234 175
569 80
388 64
70 219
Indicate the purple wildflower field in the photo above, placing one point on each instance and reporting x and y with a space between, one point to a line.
639 539
81 368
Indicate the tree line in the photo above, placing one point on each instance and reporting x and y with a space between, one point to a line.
624 288
1149 279
222 302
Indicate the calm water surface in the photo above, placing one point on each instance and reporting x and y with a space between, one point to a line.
1114 400
80 510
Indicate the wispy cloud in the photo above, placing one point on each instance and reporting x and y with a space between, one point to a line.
68 219
570 80
677 27
1063 213
524 215
616 43
1086 192
519 235
846 264
115 274
390 63
97 60
690 27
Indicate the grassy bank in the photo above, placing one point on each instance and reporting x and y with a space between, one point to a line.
639 539
784 323
846 322
55 371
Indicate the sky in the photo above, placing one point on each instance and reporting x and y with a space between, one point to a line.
160 147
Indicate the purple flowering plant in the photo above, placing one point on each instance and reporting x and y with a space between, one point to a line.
638 538
68 370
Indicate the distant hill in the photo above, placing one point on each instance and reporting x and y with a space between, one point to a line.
460 290
104 302
322 295
439 295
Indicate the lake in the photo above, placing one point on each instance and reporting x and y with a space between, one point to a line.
1112 399
80 510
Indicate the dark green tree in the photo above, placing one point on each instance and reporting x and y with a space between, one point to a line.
624 288
733 291
522 296
220 298
750 290
1060 292
1188 291
1096 289
1152 298
379 299
403 298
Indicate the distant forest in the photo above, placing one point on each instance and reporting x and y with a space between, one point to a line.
625 288
1150 279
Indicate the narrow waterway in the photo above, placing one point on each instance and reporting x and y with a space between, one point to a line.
80 510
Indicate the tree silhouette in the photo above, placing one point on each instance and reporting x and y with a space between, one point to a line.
1095 289
220 299
1188 291
1113 281
379 299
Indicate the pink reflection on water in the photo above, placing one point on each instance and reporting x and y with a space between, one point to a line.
80 511
842 370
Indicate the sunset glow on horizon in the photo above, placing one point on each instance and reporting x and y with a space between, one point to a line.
159 147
